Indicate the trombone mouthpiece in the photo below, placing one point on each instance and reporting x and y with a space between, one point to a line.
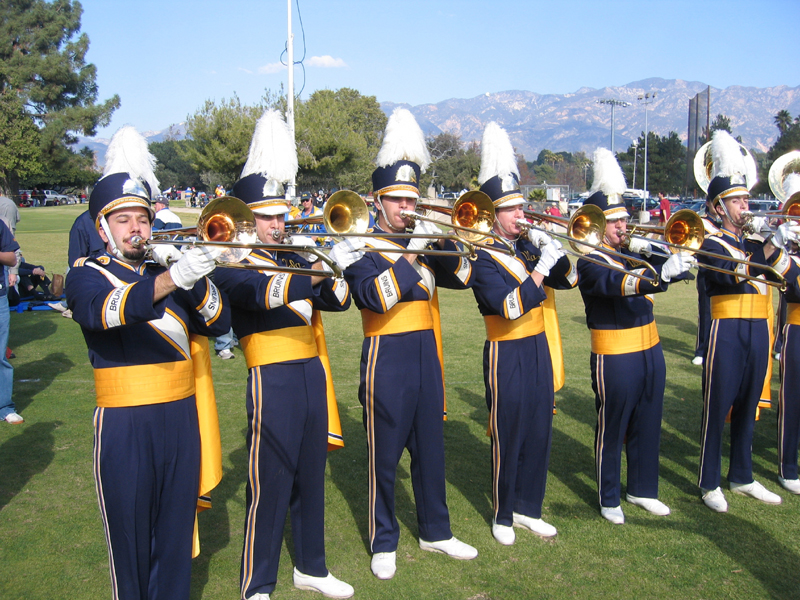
137 241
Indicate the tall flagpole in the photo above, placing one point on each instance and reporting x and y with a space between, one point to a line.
290 91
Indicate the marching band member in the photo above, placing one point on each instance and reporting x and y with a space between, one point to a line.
736 361
627 362
291 411
150 423
789 399
711 227
402 388
517 368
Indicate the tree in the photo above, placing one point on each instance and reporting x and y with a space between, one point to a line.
172 170
666 163
47 91
338 137
455 167
720 122
783 121
788 140
218 138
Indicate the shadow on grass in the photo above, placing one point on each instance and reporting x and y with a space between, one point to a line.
36 376
23 456
27 330
215 526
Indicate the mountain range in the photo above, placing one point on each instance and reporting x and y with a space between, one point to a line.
577 121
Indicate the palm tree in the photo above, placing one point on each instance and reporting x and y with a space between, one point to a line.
783 120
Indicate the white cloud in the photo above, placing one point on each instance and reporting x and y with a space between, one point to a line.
248 71
326 62
271 68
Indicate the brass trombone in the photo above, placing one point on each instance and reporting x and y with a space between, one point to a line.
228 223
585 231
346 215
684 231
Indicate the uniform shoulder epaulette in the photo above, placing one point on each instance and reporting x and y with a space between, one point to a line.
80 262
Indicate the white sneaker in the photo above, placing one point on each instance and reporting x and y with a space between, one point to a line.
777 356
14 418
792 485
757 491
537 526
57 306
453 547
226 354
651 505
67 314
715 500
697 360
384 564
613 514
328 586
259 597
503 534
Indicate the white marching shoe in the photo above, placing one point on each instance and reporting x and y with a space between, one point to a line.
791 485
259 597
697 360
715 500
328 586
537 526
504 534
757 491
651 505
453 547
384 564
613 514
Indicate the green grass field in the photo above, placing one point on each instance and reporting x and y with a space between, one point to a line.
51 537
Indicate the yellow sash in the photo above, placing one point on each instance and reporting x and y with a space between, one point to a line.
623 341
792 313
499 329
553 332
335 439
741 306
139 385
279 345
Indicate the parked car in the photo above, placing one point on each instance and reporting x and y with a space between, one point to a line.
53 198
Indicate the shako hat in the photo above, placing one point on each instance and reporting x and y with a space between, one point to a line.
608 185
271 162
499 174
731 176
402 158
128 176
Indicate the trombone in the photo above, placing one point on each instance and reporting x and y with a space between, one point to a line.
684 231
585 232
346 215
227 222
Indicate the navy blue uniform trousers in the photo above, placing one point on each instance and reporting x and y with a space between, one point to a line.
401 392
734 369
519 394
287 443
629 397
147 473
703 314
789 403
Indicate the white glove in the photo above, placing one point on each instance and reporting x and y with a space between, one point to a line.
304 240
195 264
677 264
788 232
538 238
165 254
550 255
348 251
759 224
640 246
423 228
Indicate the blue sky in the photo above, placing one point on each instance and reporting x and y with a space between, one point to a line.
166 57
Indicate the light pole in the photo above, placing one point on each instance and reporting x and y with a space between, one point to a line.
614 103
635 153
585 170
647 99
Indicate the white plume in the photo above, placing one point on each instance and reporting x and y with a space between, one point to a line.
127 153
403 140
608 176
727 155
497 154
273 153
791 185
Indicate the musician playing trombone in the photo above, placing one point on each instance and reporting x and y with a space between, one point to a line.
145 328
738 353
291 411
517 367
627 362
402 388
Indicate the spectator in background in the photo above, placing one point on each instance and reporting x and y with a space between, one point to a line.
9 213
165 218
663 204
30 278
84 241
9 256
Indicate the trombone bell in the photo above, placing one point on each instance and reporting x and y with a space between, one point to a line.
588 224
345 212
473 210
228 219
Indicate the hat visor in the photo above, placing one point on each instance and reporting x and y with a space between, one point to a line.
128 202
275 209
402 194
511 203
